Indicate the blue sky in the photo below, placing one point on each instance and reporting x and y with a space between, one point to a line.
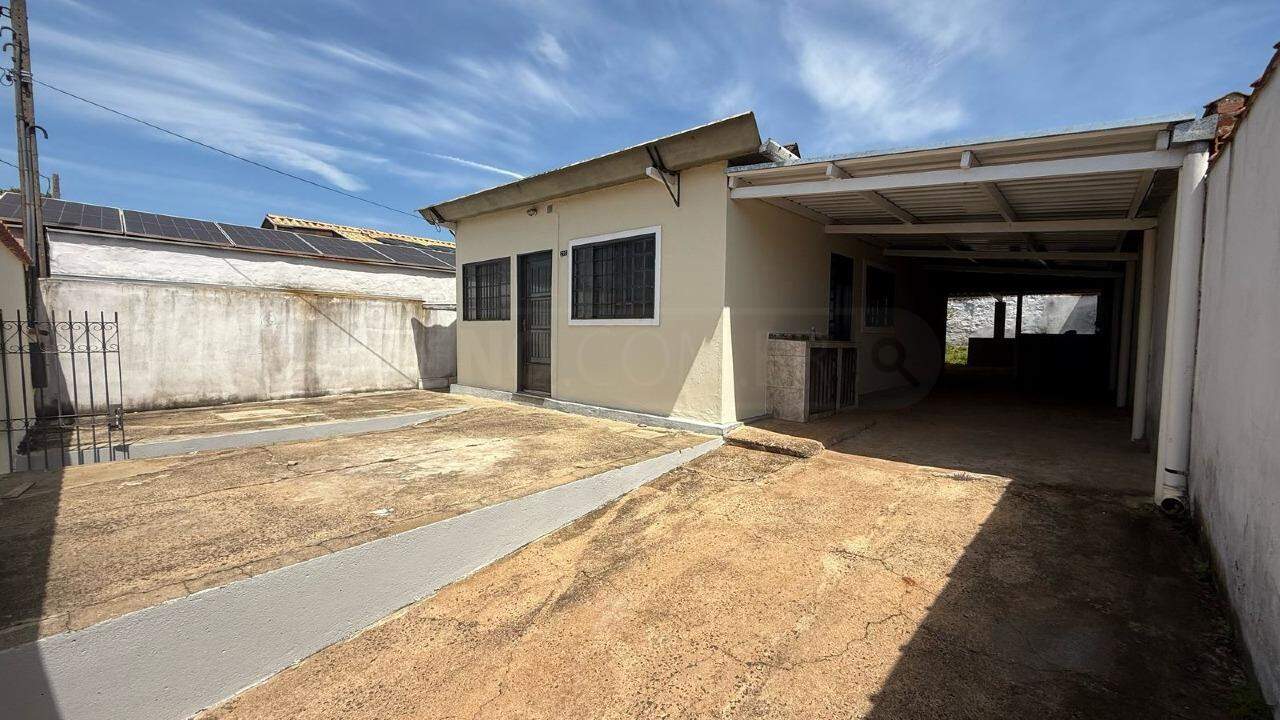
411 103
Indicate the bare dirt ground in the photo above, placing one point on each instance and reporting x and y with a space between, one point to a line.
930 567
94 542
244 417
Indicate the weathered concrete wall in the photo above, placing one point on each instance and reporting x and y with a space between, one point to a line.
1235 461
975 316
81 255
186 344
12 299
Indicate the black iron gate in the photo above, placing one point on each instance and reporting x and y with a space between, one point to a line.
63 387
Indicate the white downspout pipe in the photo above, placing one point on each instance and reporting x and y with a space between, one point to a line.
1173 457
1142 361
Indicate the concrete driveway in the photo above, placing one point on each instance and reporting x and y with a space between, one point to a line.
94 542
891 576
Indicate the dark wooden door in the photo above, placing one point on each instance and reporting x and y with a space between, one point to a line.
534 321
840 325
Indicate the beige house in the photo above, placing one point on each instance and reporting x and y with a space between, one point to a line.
650 280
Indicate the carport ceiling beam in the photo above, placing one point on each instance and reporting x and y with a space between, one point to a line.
969 160
1065 256
995 228
887 206
1034 170
802 211
1044 272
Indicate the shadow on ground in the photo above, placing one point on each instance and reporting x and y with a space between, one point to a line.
29 520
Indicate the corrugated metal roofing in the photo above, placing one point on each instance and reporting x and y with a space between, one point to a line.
359 234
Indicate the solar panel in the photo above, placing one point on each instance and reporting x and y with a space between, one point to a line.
79 215
11 206
411 256
173 228
343 248
267 239
65 213
446 258
397 242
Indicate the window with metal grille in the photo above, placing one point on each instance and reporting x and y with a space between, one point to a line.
878 296
486 290
615 279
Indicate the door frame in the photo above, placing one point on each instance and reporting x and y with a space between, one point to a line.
518 298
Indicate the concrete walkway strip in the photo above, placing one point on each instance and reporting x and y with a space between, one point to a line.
296 433
175 659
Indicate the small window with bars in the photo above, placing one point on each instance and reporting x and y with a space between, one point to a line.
486 290
878 298
616 279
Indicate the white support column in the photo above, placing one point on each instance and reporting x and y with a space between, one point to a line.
1142 359
1173 456
1126 336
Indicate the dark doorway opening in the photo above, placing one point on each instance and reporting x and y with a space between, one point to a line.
840 323
534 322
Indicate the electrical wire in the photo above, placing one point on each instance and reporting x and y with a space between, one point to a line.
15 167
228 153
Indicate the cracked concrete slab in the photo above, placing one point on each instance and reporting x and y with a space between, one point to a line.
888 577
95 542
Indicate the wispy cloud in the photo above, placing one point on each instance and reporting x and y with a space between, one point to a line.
478 165
548 49
884 80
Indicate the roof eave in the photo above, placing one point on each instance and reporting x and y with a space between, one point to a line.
713 142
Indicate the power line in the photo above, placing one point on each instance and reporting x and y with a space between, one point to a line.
228 153
15 167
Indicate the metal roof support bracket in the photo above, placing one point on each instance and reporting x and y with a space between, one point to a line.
670 179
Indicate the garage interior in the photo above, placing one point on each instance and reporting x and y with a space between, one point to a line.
1112 211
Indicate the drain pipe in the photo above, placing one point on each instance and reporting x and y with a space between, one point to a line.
1173 456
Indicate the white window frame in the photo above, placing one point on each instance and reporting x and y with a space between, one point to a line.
656 231
862 308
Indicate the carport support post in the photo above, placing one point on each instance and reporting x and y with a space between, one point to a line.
1141 364
1126 335
1174 451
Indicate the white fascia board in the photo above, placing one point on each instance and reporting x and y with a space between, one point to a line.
1067 167
990 228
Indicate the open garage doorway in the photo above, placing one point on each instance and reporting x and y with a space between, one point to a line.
1041 343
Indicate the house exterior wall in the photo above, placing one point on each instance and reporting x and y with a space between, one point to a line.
1235 461
778 280
13 299
185 344
670 369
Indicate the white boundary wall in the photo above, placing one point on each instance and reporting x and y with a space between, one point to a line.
206 326
1235 460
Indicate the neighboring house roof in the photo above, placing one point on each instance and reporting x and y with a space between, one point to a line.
721 140
152 227
13 244
284 222
1232 107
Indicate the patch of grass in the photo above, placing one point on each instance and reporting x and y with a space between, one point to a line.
957 355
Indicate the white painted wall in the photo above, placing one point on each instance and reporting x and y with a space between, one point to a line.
1159 315
206 326
12 300
102 256
185 344
1235 460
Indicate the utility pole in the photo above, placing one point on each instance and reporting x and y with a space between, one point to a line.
28 160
